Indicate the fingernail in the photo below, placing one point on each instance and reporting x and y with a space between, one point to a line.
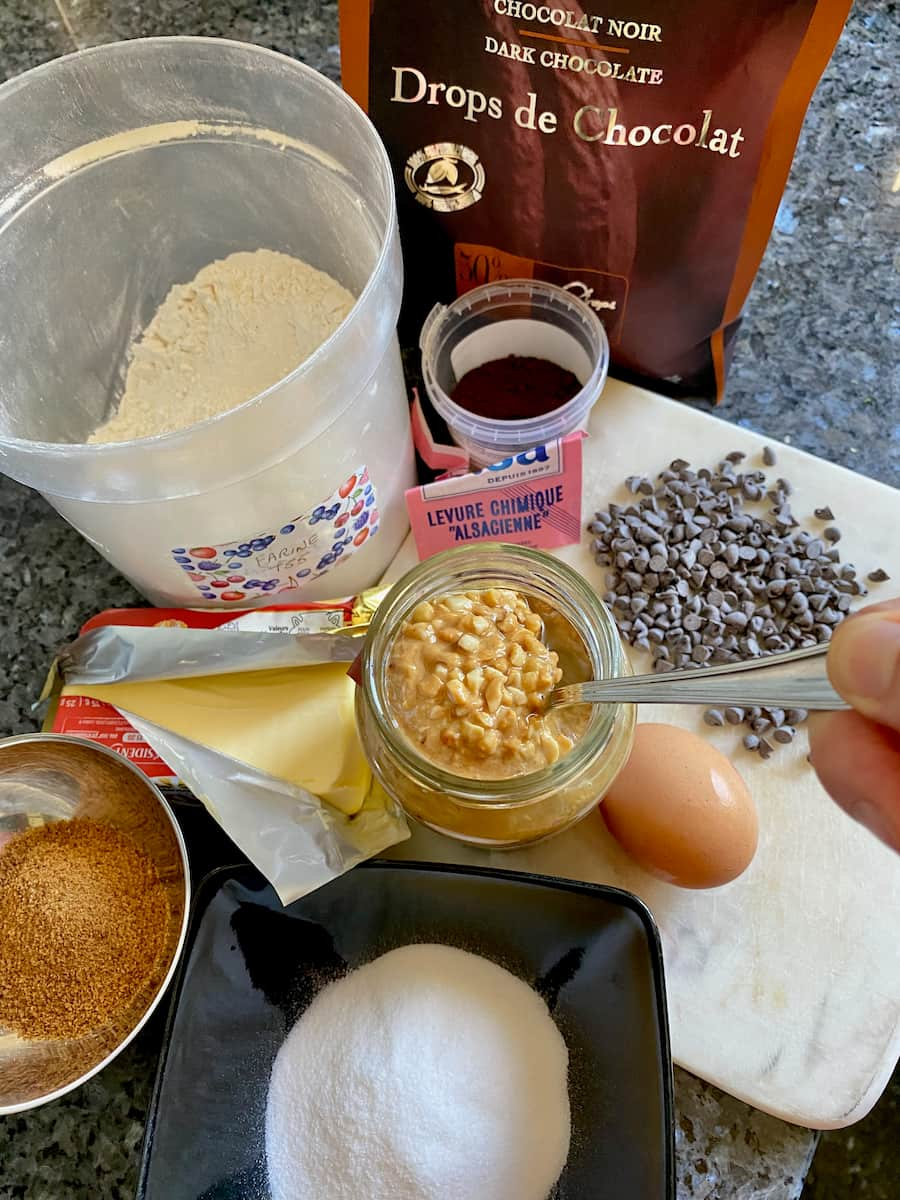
868 658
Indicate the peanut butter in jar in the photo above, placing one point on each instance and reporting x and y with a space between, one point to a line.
469 678
453 706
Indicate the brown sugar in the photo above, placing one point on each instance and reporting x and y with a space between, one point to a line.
83 919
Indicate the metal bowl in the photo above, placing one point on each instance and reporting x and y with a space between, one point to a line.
49 777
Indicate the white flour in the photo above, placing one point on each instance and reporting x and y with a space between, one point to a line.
241 325
430 1074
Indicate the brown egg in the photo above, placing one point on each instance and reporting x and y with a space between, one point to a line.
681 810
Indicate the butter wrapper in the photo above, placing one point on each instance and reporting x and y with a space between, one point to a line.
257 721
298 842
113 654
138 645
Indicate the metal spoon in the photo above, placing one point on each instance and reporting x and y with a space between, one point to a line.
773 680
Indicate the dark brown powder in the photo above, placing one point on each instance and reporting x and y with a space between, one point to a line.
515 388
83 919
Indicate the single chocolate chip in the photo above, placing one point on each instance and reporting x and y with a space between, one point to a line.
740 523
785 734
878 576
796 716
734 715
768 456
721 655
766 749
824 514
832 534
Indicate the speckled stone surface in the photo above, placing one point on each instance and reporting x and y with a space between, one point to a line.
817 363
818 359
31 31
306 29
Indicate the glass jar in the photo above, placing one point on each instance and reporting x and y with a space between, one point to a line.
496 813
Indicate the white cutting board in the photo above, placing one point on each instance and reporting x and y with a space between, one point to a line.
784 986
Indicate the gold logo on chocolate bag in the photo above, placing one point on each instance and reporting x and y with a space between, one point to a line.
445 176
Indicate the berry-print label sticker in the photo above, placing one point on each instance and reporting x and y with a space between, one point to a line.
295 554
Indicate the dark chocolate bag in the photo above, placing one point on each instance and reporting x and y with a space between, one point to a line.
636 157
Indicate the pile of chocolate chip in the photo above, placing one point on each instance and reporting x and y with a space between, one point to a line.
696 579
779 724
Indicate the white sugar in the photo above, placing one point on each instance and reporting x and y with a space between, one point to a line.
430 1074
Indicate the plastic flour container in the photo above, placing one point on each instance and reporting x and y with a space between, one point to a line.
522 317
127 168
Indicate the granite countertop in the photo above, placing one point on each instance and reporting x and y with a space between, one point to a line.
816 365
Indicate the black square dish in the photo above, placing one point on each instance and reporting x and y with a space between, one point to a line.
252 966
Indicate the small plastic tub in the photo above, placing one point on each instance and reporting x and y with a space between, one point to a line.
522 317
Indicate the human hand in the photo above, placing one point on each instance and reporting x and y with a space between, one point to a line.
856 754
